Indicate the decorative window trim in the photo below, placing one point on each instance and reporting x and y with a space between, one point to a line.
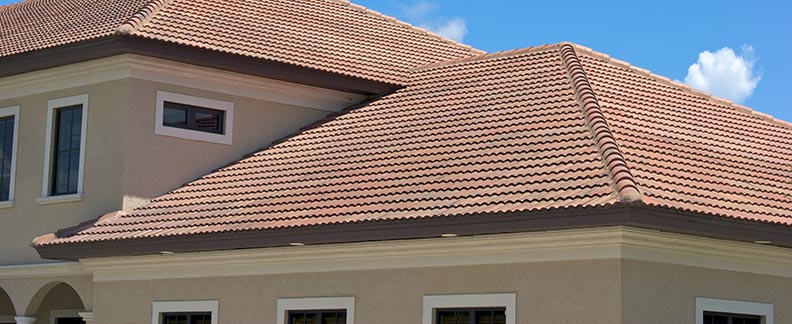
52 105
320 303
159 307
732 307
7 112
61 313
227 107
431 303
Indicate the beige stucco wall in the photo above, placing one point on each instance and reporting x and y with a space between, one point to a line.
126 163
664 293
6 306
103 162
155 164
550 292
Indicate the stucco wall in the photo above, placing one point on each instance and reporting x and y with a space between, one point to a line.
551 292
126 162
155 164
664 293
61 297
103 162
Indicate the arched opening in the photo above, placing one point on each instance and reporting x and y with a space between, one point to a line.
57 303
7 311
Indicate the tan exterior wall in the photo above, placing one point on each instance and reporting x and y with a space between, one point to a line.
155 164
666 293
103 161
126 163
551 292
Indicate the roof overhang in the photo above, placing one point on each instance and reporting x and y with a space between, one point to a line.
619 215
115 45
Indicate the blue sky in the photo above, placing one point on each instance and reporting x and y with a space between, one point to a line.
666 37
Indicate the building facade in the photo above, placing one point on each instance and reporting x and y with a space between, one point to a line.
316 162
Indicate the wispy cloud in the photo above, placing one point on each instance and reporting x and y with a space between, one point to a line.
725 74
424 14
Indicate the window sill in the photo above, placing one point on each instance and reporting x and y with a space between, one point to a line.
60 199
6 204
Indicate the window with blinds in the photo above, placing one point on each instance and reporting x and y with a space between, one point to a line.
6 155
186 318
471 316
318 317
66 150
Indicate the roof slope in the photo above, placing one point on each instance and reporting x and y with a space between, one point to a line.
531 130
328 35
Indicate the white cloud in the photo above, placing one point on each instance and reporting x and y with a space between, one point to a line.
725 74
422 13
455 29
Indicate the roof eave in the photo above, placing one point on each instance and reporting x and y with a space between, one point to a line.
123 44
641 216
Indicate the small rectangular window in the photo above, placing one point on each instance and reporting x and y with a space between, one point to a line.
724 318
318 317
187 318
193 117
67 150
7 126
471 316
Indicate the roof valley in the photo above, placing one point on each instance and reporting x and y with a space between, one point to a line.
614 160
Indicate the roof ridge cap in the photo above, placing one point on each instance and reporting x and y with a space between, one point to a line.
609 150
485 56
142 16
684 87
409 25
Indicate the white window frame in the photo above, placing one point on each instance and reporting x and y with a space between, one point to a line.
63 313
225 106
159 307
52 105
316 303
435 302
733 307
7 112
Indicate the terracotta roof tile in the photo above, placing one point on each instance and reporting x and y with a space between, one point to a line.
327 35
552 127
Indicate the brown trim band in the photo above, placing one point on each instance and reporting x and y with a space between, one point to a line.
115 45
636 216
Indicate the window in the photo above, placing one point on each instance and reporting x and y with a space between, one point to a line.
194 118
470 309
185 312
318 317
9 128
322 310
64 163
720 311
186 318
722 318
471 316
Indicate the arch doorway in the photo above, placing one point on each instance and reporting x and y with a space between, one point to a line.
57 303
7 311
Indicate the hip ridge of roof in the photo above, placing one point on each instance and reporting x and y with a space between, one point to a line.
609 150
142 16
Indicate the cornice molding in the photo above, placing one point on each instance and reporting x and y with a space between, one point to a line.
561 245
43 270
126 66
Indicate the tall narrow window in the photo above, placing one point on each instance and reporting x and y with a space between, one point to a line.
8 138
66 157
6 155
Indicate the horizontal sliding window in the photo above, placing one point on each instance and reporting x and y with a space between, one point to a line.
318 317
194 118
471 316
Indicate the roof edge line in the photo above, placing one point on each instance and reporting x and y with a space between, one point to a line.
609 150
142 16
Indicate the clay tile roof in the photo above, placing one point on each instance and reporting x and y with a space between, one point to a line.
328 35
539 129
